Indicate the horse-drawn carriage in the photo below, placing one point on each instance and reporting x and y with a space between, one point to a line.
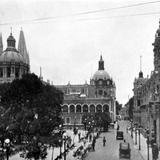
124 150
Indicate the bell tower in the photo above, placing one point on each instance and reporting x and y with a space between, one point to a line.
1 43
156 50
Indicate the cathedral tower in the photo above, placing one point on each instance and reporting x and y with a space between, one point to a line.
1 44
156 50
22 47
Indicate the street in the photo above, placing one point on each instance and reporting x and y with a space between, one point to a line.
111 150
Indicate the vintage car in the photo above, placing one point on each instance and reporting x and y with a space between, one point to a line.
119 135
124 150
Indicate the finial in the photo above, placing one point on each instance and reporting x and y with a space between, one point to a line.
101 57
140 63
11 30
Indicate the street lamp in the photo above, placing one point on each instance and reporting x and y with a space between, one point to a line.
7 146
135 133
65 138
60 145
132 128
147 132
60 140
139 137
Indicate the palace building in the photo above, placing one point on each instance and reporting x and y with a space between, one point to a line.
98 96
147 97
13 62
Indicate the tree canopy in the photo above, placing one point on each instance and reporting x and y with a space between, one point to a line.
31 107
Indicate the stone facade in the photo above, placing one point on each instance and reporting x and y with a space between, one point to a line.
98 96
147 96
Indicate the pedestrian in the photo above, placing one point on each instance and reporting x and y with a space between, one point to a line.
155 151
118 127
104 141
90 137
93 143
79 136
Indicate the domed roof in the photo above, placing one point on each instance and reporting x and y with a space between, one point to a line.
101 74
11 56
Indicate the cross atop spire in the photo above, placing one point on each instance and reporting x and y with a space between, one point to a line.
11 30
140 63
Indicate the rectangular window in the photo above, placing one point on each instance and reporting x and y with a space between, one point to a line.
1 72
68 120
16 72
8 71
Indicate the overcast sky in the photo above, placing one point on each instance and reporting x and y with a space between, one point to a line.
66 38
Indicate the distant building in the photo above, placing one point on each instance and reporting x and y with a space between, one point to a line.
124 112
98 96
13 62
147 97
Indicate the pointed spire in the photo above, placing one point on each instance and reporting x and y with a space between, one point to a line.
1 43
140 73
101 64
22 47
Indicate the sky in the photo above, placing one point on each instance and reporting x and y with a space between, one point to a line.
67 37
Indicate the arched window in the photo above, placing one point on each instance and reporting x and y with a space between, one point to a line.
85 108
92 108
65 108
99 108
105 108
78 108
72 108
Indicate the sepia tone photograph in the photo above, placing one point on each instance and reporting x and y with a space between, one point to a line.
79 80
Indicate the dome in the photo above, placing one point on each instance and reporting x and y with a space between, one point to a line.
11 56
101 74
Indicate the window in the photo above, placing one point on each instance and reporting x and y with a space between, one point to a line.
16 72
68 120
1 72
100 92
8 71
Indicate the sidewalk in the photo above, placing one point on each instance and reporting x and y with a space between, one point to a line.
143 145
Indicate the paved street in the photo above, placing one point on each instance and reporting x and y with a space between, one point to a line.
111 150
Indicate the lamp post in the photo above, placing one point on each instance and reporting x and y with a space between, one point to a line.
139 138
60 140
147 132
65 140
7 146
135 133
60 147
132 128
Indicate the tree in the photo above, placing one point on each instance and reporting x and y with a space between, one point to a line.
131 106
103 120
118 107
99 119
33 109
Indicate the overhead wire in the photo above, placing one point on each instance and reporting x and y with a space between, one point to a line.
121 16
44 19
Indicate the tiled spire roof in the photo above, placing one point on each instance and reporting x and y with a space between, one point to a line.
22 47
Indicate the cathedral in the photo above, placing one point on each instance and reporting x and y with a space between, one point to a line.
14 62
81 99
